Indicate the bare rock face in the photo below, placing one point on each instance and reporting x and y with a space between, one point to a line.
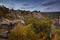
37 15
56 22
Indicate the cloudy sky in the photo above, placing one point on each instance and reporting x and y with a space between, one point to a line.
39 5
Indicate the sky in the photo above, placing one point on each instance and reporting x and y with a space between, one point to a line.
32 5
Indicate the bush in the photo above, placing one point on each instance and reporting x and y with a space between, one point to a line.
38 30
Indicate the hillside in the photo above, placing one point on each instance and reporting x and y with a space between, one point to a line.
4 12
33 25
11 14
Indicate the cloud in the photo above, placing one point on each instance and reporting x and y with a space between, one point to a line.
25 4
50 5
50 2
27 7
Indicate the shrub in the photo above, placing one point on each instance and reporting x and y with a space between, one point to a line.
38 30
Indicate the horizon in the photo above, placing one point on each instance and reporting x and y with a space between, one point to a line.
33 5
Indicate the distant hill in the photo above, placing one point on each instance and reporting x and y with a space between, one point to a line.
51 14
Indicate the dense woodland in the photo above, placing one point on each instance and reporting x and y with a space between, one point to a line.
38 25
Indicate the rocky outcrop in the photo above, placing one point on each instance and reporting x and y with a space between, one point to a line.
37 15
